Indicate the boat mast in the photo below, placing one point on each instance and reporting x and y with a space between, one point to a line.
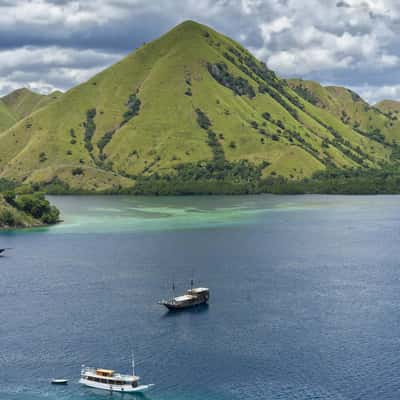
133 364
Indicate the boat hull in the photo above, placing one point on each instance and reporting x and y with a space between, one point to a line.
115 388
182 306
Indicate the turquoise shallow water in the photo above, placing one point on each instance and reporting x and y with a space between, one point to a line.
129 214
114 214
305 297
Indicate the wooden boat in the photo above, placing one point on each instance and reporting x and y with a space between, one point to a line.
193 297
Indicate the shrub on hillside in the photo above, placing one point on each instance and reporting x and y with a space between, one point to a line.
133 105
90 128
202 119
38 207
8 218
77 171
42 157
238 85
105 139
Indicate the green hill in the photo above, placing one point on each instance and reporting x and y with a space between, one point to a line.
376 122
23 102
195 111
388 106
7 118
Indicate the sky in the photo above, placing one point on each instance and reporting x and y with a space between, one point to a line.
56 44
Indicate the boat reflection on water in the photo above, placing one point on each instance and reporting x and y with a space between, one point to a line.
97 394
199 309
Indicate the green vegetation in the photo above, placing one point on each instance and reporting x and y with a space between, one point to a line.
7 185
23 102
90 128
213 177
133 105
105 139
26 210
194 112
19 209
306 93
355 181
238 85
35 205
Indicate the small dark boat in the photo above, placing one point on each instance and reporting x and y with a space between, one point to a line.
193 297
3 250
59 381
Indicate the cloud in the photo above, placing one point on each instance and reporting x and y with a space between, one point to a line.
46 69
59 43
276 26
343 4
373 94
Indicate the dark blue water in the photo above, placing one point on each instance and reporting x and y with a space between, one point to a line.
305 298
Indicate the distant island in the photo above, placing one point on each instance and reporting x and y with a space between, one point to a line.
194 112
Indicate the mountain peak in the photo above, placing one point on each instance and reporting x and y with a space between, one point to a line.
23 101
189 29
388 106
19 92
193 107
190 25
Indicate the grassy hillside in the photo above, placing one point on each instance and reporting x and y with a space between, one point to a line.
7 118
23 102
194 109
388 106
377 122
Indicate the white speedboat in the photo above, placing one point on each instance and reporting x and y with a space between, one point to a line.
112 381
59 381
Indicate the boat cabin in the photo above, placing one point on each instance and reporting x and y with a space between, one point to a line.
109 377
198 291
185 297
104 372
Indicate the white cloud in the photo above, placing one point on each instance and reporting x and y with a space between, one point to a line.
60 42
276 26
50 68
374 94
297 61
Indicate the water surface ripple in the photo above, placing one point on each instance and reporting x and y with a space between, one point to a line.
305 298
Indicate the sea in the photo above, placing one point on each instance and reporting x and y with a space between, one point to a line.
304 298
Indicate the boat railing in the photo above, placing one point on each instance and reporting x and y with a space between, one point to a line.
90 370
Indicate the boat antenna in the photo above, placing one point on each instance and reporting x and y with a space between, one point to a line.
133 364
173 286
191 284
